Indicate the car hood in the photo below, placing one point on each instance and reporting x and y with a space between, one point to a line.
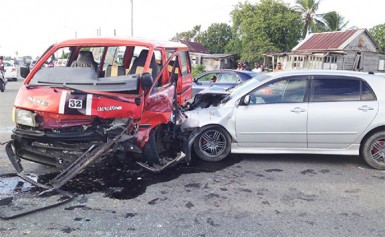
211 96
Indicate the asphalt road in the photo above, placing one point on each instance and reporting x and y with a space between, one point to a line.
248 195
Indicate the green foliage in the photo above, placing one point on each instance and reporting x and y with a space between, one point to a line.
188 35
197 70
378 33
311 20
268 26
216 37
334 21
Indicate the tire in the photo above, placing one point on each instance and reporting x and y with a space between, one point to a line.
150 151
373 150
213 144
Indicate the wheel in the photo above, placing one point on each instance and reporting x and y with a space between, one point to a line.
150 151
2 86
373 150
213 144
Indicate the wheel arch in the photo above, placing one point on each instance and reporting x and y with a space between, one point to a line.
370 133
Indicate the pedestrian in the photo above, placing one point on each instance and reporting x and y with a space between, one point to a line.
278 67
1 63
245 66
257 68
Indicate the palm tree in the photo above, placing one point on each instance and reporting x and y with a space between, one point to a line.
334 21
311 21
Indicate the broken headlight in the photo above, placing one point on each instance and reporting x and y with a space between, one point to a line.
24 117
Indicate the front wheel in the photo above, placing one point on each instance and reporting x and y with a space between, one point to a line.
373 150
213 144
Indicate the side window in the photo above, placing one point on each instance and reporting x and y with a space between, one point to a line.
367 92
228 78
335 89
207 77
284 91
184 62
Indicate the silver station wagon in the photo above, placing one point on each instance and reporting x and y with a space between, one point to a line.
303 112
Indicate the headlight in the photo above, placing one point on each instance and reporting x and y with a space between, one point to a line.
25 117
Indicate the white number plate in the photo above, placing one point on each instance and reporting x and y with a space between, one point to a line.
75 104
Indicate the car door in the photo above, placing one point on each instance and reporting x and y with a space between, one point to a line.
276 116
340 109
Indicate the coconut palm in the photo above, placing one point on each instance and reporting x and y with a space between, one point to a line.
311 20
334 21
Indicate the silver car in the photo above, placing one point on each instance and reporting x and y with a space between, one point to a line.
304 112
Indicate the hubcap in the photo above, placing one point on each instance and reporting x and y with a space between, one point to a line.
377 150
212 143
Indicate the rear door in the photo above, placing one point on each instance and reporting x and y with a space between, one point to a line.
340 109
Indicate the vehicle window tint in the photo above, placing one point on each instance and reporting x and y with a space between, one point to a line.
207 77
294 91
184 65
283 91
228 78
327 90
367 92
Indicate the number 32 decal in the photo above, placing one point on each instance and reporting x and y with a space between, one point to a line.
75 104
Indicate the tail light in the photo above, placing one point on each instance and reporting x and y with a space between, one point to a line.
13 70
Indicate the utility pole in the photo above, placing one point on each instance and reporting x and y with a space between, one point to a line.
132 18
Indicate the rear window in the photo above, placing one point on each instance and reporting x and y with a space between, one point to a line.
340 89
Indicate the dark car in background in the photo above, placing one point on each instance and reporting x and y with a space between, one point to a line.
224 78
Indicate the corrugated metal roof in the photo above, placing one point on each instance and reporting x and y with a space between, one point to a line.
326 40
195 47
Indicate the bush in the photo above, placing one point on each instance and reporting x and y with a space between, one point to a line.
197 70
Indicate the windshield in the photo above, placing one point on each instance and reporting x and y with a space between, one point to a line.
245 86
248 83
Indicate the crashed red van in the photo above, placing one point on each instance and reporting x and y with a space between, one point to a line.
113 97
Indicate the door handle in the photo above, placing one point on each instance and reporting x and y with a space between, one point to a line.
297 110
365 108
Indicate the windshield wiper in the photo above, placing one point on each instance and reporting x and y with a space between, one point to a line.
74 90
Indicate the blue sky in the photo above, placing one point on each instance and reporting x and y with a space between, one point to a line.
31 26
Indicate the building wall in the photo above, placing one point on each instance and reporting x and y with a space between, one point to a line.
361 43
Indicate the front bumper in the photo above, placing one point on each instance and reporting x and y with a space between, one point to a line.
54 149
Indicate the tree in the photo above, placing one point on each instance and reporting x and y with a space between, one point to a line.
334 21
188 35
378 33
216 37
268 26
311 21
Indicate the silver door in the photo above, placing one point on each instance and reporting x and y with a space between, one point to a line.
276 116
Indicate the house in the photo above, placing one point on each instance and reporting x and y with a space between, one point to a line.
200 56
354 50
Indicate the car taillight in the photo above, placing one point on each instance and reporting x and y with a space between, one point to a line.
13 70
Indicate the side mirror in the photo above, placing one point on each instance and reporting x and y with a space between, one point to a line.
246 100
146 81
24 71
